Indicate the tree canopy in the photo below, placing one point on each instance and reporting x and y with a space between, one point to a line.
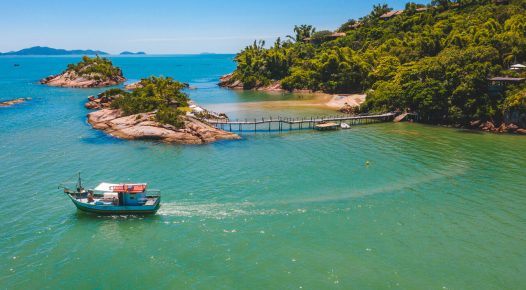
434 59
161 95
95 68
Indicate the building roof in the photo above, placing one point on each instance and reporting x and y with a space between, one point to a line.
338 34
391 14
518 65
355 25
109 187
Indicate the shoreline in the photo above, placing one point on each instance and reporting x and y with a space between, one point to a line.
319 100
339 102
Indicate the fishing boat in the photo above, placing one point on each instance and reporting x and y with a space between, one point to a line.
115 198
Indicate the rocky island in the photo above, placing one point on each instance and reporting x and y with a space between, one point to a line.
154 110
132 53
13 102
88 73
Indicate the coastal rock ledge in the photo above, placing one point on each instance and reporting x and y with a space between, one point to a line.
72 80
228 81
144 127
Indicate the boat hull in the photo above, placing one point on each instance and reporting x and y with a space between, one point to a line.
117 210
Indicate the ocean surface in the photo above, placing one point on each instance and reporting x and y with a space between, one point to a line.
435 208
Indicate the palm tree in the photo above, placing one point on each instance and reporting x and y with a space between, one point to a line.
303 31
379 10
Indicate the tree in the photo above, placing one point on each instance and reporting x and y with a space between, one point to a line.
301 32
435 62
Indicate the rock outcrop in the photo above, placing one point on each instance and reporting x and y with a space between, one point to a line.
71 79
13 102
228 81
489 126
132 86
143 126
100 102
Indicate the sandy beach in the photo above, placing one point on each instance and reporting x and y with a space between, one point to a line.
326 101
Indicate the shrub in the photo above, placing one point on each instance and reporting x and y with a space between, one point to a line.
171 116
155 93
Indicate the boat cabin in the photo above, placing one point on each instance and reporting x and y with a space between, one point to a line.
121 194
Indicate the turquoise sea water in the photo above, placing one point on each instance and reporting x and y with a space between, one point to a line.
435 209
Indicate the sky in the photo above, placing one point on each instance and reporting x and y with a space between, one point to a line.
167 27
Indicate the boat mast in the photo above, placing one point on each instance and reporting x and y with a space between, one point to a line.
79 184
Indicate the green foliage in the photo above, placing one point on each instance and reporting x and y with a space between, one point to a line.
154 94
112 92
452 86
95 68
302 32
321 36
435 61
171 116
516 101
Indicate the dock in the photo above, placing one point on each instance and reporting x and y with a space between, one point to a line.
286 123
326 126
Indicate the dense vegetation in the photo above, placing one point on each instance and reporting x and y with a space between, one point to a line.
95 68
159 94
435 61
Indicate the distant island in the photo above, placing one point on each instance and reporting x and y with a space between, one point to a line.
454 63
88 73
155 109
132 53
43 50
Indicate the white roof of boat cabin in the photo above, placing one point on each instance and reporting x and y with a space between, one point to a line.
106 187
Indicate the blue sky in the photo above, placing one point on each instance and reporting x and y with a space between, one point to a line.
164 27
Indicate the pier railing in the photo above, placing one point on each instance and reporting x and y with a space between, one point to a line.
287 123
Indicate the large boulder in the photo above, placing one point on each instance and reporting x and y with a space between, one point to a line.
228 81
144 126
487 126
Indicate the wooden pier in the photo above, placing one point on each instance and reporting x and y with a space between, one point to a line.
284 123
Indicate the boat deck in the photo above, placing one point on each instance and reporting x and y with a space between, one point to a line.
110 202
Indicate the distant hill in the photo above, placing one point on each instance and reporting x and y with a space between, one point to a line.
132 53
42 50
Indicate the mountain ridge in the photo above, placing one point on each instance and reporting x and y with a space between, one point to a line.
44 50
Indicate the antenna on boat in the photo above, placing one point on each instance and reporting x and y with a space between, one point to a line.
79 184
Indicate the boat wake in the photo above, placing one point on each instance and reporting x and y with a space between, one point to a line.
400 185
212 210
288 206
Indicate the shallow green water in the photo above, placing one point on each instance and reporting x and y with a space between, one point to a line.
435 209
